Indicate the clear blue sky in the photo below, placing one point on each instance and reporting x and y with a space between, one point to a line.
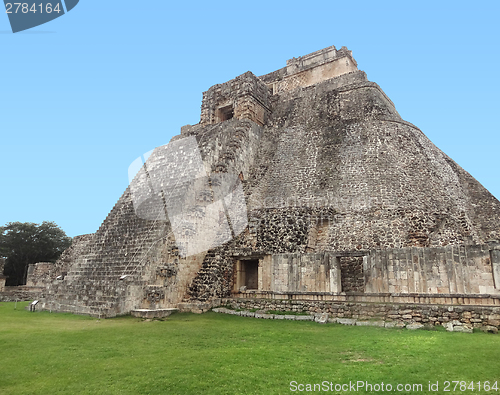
86 94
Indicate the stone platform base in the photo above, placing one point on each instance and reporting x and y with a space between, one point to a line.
159 313
456 318
198 307
322 318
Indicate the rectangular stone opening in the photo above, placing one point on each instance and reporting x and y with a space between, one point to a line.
251 268
225 113
351 272
247 275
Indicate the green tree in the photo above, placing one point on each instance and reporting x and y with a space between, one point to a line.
24 243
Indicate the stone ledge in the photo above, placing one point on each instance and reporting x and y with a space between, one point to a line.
458 300
158 313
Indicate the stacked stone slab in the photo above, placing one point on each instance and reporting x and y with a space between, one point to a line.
329 171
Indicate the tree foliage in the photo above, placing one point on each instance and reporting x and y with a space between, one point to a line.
24 243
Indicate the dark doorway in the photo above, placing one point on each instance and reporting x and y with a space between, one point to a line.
251 269
226 113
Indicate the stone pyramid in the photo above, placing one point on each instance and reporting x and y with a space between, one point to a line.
319 161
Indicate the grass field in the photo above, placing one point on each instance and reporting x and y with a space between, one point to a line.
44 353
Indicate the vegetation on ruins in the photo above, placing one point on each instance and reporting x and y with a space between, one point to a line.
24 243
55 353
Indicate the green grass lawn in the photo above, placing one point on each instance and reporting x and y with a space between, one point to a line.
48 353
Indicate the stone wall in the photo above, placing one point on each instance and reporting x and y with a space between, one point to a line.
455 318
311 69
303 273
20 293
32 290
315 75
437 270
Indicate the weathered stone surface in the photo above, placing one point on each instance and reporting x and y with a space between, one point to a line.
374 314
352 274
490 329
414 326
342 197
304 318
462 328
451 326
159 313
21 293
38 273
196 307
321 318
346 321
370 323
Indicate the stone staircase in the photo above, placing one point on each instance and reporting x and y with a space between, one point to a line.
108 277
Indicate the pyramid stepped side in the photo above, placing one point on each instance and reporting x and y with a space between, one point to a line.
145 250
92 284
110 276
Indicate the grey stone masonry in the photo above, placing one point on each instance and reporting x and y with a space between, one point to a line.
437 270
411 316
245 97
341 199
